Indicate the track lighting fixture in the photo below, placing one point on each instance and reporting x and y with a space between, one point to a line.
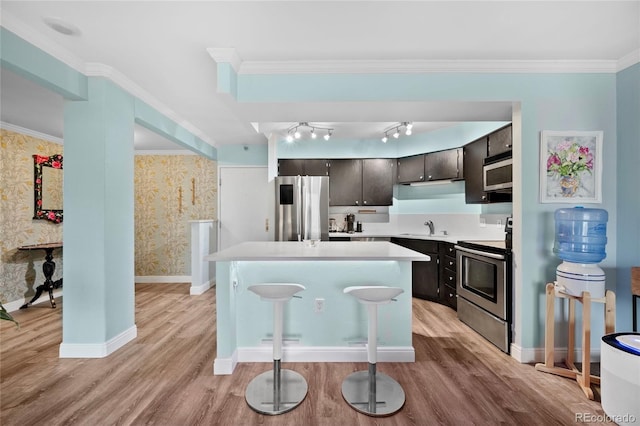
293 132
396 129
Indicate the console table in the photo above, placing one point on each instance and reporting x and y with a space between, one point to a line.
48 268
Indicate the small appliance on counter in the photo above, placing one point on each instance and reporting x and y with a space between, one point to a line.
359 226
508 229
333 227
351 219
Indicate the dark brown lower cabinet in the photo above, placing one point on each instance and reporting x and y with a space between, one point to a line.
424 274
434 280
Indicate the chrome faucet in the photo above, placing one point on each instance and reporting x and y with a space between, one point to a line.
429 223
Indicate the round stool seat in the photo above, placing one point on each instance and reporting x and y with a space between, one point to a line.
370 392
373 294
278 390
276 291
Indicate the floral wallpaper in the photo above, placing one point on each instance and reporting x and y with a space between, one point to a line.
21 271
170 190
162 231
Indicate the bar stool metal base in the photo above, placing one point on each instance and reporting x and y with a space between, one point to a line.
373 394
268 395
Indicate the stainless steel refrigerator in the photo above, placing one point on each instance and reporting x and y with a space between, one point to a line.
302 208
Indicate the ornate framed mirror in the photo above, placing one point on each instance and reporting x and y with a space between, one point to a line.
47 187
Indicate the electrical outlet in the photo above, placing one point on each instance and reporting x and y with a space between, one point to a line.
483 222
499 223
318 305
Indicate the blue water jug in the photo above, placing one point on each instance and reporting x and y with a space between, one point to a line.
581 235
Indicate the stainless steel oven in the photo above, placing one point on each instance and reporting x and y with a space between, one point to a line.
484 289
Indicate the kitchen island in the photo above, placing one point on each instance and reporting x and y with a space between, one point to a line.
325 325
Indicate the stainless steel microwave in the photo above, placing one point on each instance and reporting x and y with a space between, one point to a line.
497 173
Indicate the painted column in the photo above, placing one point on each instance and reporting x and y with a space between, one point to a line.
98 314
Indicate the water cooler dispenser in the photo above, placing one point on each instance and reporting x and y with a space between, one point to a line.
580 239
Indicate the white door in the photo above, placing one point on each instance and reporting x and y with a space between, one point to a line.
246 201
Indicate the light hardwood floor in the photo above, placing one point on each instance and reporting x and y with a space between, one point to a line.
165 376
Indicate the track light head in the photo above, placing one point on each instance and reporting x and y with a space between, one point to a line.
289 138
396 134
313 133
385 138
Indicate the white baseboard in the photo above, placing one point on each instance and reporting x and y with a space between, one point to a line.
196 290
223 366
15 305
163 279
533 355
98 350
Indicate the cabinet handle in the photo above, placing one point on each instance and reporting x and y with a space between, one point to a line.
508 145
450 263
357 203
364 202
450 250
450 294
421 177
484 197
429 177
450 278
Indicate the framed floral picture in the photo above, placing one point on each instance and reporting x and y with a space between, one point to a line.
571 167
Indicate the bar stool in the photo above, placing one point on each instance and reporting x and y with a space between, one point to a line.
276 391
369 392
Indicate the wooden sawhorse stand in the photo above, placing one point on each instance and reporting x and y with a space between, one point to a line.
584 377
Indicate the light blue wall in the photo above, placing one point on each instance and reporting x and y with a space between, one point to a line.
548 102
242 155
628 176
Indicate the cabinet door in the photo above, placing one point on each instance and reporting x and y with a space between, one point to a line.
377 181
411 169
474 154
290 167
345 182
424 281
441 165
500 141
316 167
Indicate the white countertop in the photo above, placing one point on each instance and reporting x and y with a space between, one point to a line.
324 250
415 236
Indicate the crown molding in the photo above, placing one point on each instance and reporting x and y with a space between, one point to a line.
629 60
28 132
428 66
226 54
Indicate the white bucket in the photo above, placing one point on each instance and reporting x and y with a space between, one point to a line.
574 278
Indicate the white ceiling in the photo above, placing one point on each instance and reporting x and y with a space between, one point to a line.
161 46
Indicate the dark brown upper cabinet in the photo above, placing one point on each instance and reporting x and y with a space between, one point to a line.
474 154
303 167
377 181
500 141
441 165
411 169
361 182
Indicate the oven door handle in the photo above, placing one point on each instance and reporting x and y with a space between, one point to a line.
480 253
